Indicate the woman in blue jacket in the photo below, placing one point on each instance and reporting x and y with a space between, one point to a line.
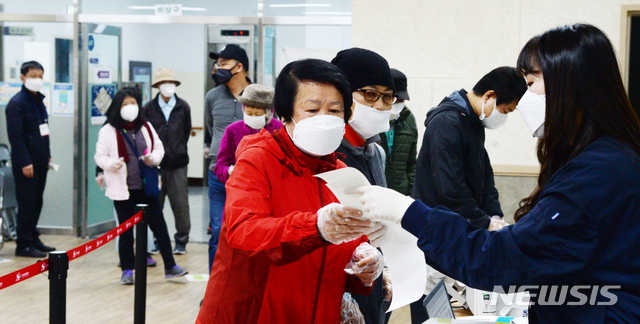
579 231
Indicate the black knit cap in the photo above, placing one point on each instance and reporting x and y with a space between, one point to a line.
364 68
400 81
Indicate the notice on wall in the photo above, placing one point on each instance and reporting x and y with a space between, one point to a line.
103 75
101 96
62 100
7 91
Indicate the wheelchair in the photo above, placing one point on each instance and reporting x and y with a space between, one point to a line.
8 201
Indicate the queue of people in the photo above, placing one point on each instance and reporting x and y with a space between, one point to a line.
284 250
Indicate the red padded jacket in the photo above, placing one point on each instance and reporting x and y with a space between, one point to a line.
272 266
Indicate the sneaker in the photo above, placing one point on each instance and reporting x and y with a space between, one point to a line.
151 262
180 248
155 249
176 271
127 277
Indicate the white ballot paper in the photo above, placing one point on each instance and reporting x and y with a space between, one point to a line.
405 260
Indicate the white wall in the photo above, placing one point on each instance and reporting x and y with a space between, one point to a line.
446 45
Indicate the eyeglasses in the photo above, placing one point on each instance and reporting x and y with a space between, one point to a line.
372 95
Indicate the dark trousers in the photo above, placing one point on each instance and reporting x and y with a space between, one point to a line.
371 306
29 193
175 186
127 208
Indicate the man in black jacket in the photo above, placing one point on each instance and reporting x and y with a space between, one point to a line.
453 166
28 130
171 118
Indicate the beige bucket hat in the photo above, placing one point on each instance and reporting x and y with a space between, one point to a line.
165 75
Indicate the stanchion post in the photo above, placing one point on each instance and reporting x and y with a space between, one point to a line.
140 303
58 266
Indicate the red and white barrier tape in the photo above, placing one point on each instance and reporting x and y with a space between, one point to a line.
43 265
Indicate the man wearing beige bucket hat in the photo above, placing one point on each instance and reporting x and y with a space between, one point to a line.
171 118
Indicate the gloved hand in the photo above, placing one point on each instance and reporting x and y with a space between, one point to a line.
350 311
100 180
366 263
230 170
338 224
206 152
387 287
496 223
118 164
148 160
377 237
382 203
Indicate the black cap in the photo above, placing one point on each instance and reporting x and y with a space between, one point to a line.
363 68
400 81
233 52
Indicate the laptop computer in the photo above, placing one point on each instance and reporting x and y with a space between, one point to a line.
437 302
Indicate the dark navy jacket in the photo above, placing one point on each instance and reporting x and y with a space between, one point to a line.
25 112
584 230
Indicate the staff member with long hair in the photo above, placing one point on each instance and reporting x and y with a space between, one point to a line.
579 229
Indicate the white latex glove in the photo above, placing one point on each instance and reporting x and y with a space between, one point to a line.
100 180
382 203
230 169
366 263
118 164
377 237
338 224
148 160
496 223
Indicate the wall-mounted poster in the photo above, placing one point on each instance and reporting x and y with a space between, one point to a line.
141 72
62 100
7 91
101 96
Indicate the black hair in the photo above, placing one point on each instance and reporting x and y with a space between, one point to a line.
585 98
26 66
310 70
113 113
505 81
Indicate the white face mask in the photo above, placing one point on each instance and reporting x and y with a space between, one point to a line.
318 135
168 89
532 107
33 84
255 122
129 112
368 121
495 120
396 109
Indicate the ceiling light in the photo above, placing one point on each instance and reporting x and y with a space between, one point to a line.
301 5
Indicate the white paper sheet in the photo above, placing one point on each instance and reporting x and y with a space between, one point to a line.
405 260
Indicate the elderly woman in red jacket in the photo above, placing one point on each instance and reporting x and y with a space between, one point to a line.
285 243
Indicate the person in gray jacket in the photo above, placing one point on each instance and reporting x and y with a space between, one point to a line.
221 109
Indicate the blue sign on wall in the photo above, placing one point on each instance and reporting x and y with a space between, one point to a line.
91 42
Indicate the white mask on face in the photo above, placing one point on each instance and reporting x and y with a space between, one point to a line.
368 121
33 84
168 89
396 109
318 135
129 112
255 122
495 120
532 107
